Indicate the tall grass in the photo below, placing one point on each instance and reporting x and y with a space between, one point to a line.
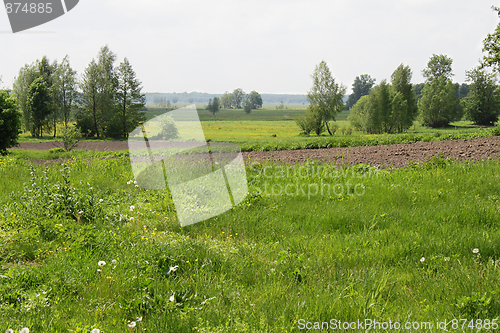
287 253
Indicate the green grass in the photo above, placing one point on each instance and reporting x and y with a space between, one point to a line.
288 252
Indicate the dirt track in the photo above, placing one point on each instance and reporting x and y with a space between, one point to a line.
396 155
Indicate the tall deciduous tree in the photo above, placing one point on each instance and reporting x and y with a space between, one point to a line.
214 106
491 46
107 85
438 104
438 65
226 100
10 121
130 100
255 99
39 102
404 100
326 94
482 104
361 87
88 118
237 96
65 90
27 74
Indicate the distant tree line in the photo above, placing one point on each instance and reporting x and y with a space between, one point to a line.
105 100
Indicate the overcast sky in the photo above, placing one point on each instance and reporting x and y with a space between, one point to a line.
270 46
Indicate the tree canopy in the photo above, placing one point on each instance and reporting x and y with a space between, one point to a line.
10 121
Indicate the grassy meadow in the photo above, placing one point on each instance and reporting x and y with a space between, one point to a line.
310 244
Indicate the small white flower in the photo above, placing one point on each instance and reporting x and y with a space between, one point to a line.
475 251
25 330
128 183
101 263
136 185
95 330
172 269
100 200
80 212
99 270
131 219
139 319
113 262
422 259
135 182
172 298
131 324
9 331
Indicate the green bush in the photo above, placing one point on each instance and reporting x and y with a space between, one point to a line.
10 122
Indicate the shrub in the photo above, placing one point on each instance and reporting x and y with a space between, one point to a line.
10 122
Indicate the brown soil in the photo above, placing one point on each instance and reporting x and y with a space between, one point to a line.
396 155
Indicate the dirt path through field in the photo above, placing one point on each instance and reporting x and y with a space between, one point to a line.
396 155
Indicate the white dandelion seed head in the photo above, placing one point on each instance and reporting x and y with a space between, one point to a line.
101 263
25 330
422 259
131 324
135 182
95 330
136 185
113 262
101 200
9 331
475 251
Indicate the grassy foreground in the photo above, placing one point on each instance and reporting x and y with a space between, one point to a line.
373 245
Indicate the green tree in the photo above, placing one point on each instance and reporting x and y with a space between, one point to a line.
10 122
482 104
359 113
438 104
237 96
491 46
88 118
379 118
214 106
39 102
65 90
226 100
255 99
107 85
404 101
130 101
247 105
27 74
361 87
438 65
326 94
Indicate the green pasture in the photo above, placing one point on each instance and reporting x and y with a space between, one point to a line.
310 243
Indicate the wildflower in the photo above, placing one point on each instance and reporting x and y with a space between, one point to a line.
136 185
131 324
25 330
100 200
475 251
132 219
95 330
113 262
132 208
9 331
422 259
128 183
135 182
139 319
80 212
99 270
101 263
